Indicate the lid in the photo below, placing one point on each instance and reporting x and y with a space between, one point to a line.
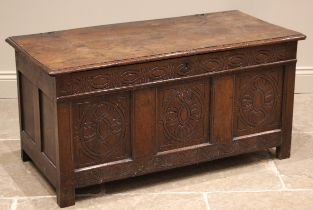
118 44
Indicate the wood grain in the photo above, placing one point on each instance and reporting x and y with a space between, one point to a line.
125 43
144 120
222 109
109 102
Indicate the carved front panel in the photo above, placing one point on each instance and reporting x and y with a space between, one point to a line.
182 115
258 101
101 129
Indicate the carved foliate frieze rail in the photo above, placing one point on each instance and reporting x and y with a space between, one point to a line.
130 75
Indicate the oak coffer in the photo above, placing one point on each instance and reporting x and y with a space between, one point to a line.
109 102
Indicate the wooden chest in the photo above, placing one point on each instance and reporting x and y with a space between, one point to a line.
109 102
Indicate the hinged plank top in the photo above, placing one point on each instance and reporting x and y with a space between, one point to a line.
125 43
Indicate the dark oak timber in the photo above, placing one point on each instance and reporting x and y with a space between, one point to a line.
283 150
104 103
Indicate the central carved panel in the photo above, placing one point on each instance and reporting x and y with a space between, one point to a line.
101 130
183 115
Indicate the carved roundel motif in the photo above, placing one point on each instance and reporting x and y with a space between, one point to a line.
182 113
101 129
258 100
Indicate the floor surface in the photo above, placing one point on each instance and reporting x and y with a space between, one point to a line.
251 181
